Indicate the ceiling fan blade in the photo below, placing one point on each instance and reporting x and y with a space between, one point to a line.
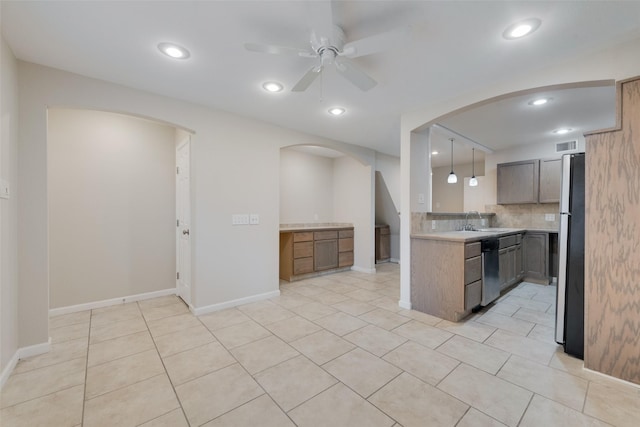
378 43
276 50
355 75
307 79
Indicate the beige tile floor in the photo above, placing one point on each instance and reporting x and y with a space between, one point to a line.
330 351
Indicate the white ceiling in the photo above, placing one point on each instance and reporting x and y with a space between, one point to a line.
514 122
455 47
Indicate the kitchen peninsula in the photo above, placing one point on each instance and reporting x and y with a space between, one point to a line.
308 250
447 268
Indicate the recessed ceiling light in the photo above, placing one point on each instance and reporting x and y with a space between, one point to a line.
562 131
539 101
272 87
337 111
434 153
521 29
174 51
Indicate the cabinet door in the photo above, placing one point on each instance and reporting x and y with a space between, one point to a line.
519 265
325 254
503 267
512 275
536 255
518 182
550 179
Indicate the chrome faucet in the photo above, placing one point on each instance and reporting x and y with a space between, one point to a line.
467 226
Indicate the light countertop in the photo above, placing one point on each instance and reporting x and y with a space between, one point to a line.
287 228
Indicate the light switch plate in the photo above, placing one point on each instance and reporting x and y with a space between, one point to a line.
433 224
240 219
549 217
4 189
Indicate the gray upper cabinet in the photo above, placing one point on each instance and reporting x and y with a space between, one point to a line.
518 182
529 181
550 178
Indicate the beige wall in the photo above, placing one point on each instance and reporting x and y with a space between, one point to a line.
111 206
450 197
388 198
306 187
8 207
234 169
353 192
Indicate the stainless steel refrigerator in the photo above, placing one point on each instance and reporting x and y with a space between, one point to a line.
570 297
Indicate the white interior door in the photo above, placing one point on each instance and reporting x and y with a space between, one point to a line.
183 215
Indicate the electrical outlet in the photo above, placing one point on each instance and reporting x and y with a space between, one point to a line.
421 198
483 222
433 224
254 219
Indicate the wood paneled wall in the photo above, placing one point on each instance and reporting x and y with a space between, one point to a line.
612 246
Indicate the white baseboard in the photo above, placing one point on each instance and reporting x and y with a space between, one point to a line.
364 270
394 260
108 302
34 350
6 372
22 353
405 304
233 303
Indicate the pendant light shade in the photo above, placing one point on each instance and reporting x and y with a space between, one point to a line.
452 179
473 182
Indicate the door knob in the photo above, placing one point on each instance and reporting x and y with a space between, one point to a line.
185 232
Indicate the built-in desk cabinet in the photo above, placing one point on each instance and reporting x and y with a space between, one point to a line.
383 243
307 253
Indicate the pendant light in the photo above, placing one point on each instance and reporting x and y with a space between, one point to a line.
473 182
452 179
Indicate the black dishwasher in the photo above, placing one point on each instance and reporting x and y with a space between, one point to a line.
490 271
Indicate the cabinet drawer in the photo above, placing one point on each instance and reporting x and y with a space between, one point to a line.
345 245
303 249
472 250
472 294
343 234
325 235
345 259
303 237
303 265
507 241
472 269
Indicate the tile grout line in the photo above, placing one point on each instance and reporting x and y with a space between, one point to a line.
165 368
86 371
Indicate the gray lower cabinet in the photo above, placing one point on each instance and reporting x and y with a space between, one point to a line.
510 260
536 257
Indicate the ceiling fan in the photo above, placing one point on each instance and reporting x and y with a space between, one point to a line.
327 47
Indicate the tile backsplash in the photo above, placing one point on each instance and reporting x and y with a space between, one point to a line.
529 216
545 216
